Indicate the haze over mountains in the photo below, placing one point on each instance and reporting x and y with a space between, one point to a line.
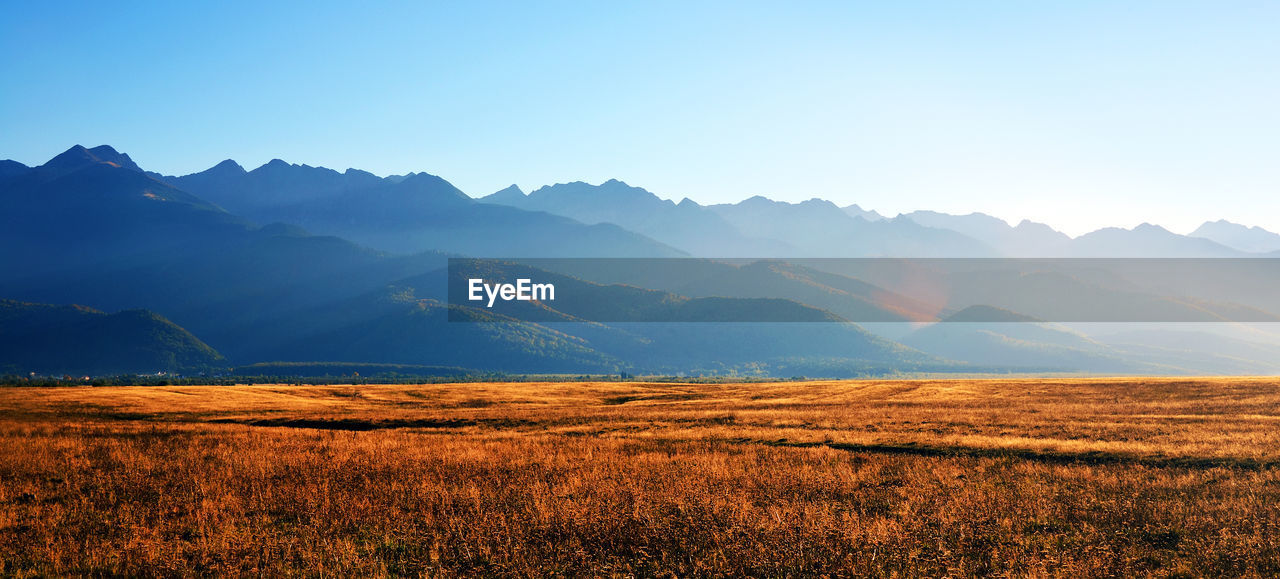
392 213
1252 239
404 214
760 227
292 263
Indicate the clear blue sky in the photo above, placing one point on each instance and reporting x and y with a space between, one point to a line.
1079 114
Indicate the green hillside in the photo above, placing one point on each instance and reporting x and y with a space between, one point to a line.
49 339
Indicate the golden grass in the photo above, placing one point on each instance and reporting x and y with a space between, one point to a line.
1105 477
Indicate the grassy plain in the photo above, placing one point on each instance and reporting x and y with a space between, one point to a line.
1045 477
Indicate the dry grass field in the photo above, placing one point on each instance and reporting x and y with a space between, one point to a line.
1106 477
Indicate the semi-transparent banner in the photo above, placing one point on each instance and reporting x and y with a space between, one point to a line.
864 290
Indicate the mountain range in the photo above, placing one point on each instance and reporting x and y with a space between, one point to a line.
760 227
293 264
405 214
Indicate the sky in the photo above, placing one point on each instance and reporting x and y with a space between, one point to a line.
1078 114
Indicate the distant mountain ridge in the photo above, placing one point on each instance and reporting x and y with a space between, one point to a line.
1250 239
275 183
322 199
685 225
406 214
856 211
1147 240
1027 239
819 228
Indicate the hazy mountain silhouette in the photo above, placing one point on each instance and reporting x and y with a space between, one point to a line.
49 339
1027 239
422 215
511 195
1146 240
425 212
274 184
685 225
856 211
1030 239
1250 239
406 214
756 227
819 228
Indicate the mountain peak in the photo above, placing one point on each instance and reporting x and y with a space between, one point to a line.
108 155
511 195
433 186
757 200
78 157
579 192
280 169
1150 228
1223 224
1252 239
228 166
9 168
857 211
227 169
818 202
399 178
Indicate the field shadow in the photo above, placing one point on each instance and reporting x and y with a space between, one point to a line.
1042 456
358 425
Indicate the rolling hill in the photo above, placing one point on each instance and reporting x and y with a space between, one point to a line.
48 339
